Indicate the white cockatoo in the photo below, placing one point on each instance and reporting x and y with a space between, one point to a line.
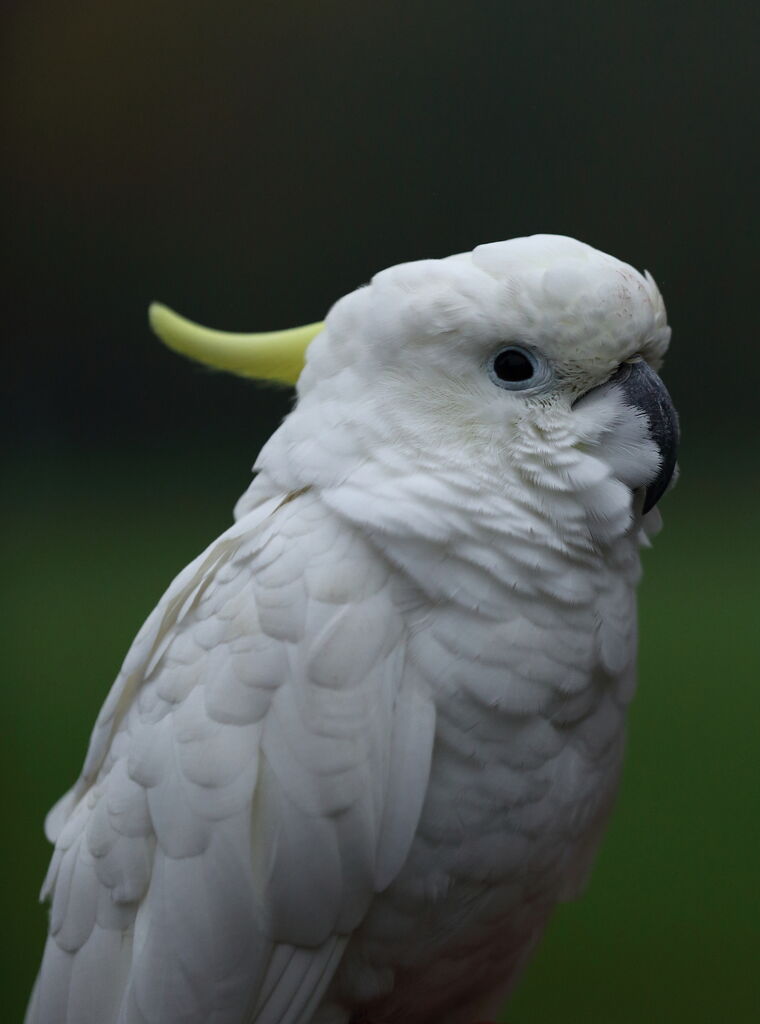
370 737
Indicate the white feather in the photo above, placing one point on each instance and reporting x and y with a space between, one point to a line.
370 737
219 835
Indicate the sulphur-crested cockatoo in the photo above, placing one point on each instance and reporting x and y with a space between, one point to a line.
370 737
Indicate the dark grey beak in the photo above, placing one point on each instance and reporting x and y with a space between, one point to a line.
644 390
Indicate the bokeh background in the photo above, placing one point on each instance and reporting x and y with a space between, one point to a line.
248 163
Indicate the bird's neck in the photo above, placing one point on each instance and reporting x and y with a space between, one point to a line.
479 548
462 529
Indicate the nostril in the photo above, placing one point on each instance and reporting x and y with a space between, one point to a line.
623 371
620 375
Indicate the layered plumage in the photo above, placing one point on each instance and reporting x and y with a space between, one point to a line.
370 737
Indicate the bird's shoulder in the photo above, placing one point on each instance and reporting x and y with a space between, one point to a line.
288 576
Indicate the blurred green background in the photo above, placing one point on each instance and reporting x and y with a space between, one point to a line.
248 163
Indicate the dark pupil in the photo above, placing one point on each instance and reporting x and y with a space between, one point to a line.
512 365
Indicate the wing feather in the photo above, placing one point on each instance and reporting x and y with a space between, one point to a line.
301 984
255 776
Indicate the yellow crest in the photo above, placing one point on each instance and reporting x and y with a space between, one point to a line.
272 355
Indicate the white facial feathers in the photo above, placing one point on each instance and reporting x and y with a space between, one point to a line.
401 378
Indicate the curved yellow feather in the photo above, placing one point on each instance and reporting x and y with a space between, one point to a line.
272 355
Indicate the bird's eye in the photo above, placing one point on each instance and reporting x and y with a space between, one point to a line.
516 368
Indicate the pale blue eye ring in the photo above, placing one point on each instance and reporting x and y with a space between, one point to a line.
516 368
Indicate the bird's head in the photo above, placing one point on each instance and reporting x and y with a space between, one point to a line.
531 360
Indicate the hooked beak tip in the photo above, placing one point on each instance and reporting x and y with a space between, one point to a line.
644 390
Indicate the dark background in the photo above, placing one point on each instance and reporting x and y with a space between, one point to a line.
248 163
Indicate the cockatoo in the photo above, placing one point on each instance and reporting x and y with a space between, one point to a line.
370 737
